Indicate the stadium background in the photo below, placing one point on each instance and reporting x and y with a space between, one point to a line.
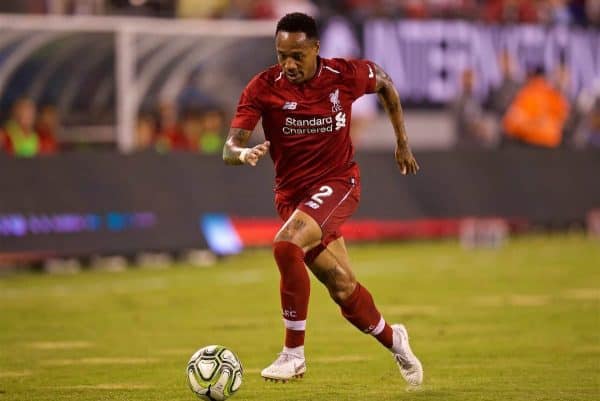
131 100
122 95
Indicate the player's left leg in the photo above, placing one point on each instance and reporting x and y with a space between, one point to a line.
332 268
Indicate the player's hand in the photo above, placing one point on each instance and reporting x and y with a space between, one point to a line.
251 156
405 159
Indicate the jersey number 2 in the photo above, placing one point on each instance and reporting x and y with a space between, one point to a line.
324 192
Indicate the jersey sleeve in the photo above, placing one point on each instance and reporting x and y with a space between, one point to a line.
249 108
362 77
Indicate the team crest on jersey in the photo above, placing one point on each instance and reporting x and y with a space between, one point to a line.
334 98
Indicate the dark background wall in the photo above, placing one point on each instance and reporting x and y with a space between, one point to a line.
105 202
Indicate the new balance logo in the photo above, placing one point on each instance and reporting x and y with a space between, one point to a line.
312 205
290 106
371 75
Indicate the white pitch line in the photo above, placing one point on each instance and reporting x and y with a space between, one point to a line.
582 294
241 278
340 358
98 361
9 373
427 310
60 344
323 360
175 351
528 300
108 386
63 290
512 300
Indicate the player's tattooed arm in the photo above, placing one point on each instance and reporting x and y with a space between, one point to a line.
235 143
389 97
235 151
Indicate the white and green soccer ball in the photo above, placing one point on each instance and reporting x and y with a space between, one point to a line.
214 373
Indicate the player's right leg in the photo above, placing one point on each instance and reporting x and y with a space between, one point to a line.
299 233
333 269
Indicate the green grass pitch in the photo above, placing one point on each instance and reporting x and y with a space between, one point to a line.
519 323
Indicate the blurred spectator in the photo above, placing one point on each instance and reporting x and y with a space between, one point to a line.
578 12
22 6
201 9
203 131
562 79
368 8
538 114
557 12
465 9
193 96
155 8
415 9
587 134
170 135
510 11
76 6
47 126
472 128
283 7
211 137
587 121
145 131
18 137
191 126
249 9
592 9
501 96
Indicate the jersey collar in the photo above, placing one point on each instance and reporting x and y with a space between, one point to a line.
320 65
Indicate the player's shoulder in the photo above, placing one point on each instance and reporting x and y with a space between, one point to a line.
343 66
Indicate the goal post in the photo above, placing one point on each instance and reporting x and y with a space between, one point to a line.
152 58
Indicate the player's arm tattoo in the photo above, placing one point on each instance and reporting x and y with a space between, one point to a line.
236 141
389 97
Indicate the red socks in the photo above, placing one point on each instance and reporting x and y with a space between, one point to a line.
359 309
294 287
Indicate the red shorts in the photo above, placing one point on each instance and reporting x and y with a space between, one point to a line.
330 203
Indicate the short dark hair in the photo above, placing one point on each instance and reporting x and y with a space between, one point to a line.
298 22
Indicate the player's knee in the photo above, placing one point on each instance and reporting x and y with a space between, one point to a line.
301 231
341 289
288 234
283 237
286 252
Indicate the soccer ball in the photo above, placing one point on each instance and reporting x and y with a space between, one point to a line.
214 373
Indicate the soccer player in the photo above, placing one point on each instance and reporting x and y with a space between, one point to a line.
305 103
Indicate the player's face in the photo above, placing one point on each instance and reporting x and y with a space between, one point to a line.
297 55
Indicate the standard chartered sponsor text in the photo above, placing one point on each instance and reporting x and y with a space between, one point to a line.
314 125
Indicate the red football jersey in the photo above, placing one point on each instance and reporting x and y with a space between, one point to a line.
307 124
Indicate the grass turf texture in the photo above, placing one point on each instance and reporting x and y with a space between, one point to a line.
520 323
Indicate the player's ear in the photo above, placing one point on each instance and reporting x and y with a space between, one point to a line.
317 46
